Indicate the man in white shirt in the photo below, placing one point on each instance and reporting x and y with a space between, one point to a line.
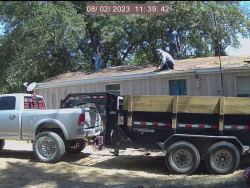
167 61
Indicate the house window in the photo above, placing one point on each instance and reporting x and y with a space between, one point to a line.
177 87
113 88
243 86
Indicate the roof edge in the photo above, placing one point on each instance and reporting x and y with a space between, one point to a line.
75 82
138 76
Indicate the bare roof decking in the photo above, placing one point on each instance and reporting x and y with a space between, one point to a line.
180 66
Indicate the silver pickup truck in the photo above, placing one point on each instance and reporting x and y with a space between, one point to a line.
25 117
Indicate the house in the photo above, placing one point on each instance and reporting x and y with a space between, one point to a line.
193 77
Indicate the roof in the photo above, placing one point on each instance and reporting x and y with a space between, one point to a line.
123 72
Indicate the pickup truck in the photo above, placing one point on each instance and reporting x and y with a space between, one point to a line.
52 132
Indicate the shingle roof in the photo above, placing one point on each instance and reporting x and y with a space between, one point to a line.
180 65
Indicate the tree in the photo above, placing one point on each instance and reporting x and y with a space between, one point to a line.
45 38
41 38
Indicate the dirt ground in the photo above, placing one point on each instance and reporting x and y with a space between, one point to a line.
20 168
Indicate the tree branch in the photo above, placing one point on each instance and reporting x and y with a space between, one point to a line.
128 50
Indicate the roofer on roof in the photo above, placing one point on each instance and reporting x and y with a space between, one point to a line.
98 58
174 42
167 62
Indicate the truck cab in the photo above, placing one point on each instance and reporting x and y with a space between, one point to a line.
11 107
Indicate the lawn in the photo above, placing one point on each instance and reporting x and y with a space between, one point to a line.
20 168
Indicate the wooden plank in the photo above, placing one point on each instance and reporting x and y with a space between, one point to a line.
191 104
175 102
174 119
241 110
237 101
222 105
198 100
164 107
130 109
152 99
222 110
150 103
125 102
211 109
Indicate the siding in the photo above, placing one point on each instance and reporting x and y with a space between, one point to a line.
209 85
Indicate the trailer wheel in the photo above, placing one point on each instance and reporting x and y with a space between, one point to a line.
2 143
75 146
48 147
222 158
182 158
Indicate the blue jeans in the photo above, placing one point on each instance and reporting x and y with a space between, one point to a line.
168 65
173 48
98 62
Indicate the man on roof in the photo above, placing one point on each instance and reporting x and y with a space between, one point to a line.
167 61
174 42
98 58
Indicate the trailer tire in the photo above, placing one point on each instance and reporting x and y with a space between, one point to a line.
182 158
2 143
75 146
222 158
48 147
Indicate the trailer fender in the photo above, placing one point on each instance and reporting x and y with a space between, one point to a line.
202 142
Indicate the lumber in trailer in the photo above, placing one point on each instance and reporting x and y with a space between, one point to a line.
187 104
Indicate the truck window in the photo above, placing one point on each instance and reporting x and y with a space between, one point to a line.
34 103
8 103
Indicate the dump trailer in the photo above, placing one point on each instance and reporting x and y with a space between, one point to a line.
187 129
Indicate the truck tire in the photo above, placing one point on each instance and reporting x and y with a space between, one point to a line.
182 158
48 147
222 158
2 143
75 146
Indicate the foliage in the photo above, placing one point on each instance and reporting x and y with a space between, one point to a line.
45 38
40 40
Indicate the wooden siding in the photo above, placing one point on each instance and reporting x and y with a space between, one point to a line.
209 85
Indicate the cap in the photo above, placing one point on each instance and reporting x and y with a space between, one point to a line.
159 51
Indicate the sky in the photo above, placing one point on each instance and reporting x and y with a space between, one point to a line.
243 50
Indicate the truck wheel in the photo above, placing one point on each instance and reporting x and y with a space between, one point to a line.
182 158
48 147
2 143
222 158
75 146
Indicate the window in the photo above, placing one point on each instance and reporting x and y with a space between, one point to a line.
8 103
34 103
177 87
243 86
113 88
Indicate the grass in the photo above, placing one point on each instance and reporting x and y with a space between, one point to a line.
19 168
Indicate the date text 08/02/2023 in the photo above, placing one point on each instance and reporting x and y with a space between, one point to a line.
128 8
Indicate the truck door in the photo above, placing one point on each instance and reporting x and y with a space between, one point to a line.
9 117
